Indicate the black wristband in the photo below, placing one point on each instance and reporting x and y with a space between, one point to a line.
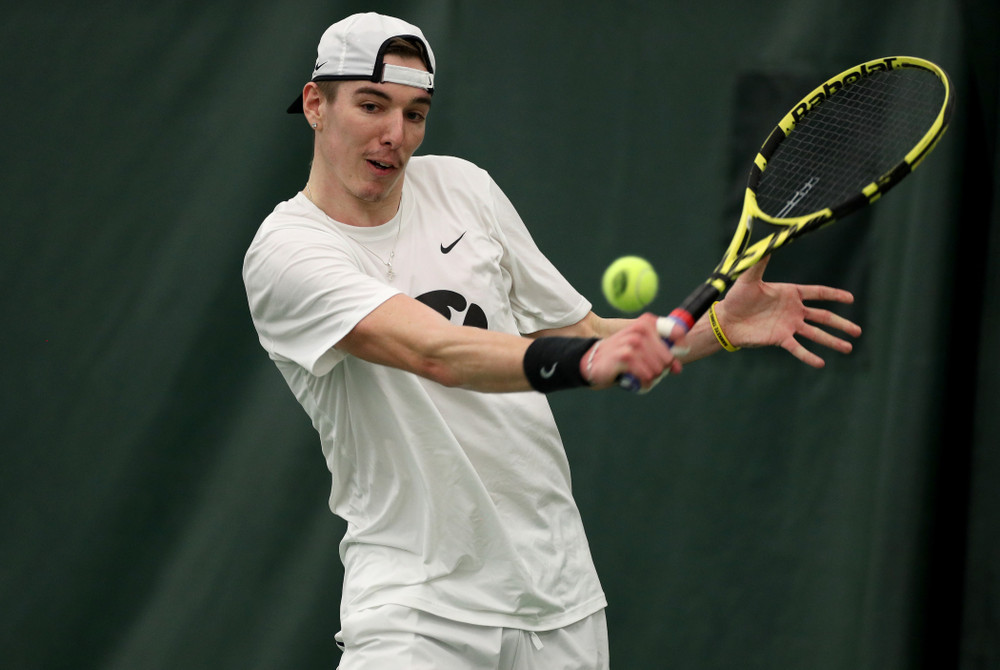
553 363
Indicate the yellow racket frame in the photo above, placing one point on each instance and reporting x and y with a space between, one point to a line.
740 256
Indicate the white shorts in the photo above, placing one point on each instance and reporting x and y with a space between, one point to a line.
392 637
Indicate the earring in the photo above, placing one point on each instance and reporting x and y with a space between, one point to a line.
315 125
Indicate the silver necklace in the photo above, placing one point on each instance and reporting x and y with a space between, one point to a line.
389 274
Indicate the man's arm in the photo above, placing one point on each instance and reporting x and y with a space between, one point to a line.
406 334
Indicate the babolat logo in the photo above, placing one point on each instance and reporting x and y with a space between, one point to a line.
834 85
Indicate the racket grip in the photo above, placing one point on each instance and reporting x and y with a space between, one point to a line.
665 326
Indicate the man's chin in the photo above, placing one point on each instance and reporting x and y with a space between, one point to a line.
378 191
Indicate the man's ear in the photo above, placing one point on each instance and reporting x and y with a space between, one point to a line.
312 104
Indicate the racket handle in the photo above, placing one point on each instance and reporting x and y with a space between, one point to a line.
665 326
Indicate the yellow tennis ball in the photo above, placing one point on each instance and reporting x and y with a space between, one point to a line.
630 283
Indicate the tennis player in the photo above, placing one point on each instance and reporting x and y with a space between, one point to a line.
411 314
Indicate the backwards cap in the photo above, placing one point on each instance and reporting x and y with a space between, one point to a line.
354 49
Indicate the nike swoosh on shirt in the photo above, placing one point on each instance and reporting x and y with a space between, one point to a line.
446 249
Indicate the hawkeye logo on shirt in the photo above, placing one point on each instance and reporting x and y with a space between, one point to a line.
450 304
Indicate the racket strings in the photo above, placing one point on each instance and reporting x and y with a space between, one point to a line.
850 140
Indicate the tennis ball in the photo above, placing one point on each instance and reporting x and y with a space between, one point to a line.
630 283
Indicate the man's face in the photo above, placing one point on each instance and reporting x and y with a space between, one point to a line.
369 133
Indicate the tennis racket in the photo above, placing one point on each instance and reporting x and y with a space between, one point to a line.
842 147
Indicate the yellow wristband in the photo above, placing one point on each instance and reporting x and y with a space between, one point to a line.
717 329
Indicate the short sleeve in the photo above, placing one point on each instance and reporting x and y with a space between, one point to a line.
540 296
306 292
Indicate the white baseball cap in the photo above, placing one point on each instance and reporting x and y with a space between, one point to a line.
354 48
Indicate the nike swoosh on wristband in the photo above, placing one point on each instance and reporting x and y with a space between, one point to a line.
547 374
446 249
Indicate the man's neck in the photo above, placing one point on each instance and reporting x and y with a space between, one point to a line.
350 210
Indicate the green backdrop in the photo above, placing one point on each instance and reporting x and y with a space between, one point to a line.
163 497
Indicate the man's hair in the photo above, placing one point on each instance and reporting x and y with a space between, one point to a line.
398 46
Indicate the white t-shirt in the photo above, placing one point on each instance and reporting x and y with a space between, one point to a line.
457 503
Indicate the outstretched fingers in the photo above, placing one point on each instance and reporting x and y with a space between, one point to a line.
810 329
833 321
795 348
817 292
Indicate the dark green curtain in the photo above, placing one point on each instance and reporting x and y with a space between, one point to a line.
163 497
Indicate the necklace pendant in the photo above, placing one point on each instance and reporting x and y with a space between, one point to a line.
390 275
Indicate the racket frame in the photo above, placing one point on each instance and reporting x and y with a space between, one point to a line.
741 255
